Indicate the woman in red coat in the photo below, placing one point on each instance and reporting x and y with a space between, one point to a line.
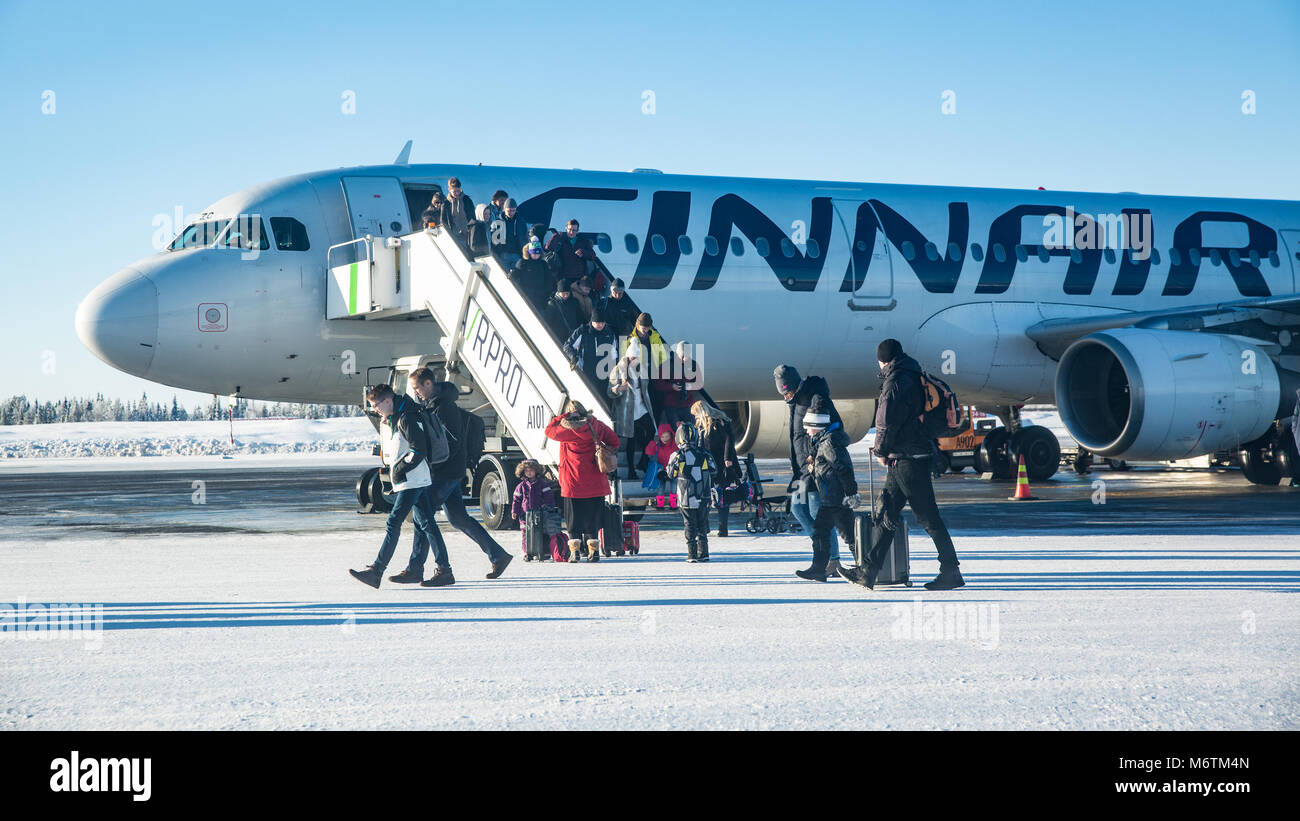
582 486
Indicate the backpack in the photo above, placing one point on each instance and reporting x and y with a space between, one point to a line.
940 410
436 433
702 488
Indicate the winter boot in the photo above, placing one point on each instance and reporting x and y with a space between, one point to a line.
369 576
702 554
575 550
593 550
500 567
948 579
408 576
863 574
832 568
442 577
812 574
692 553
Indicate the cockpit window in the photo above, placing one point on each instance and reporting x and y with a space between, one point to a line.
199 235
247 233
290 234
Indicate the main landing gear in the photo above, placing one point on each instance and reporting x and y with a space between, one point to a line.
999 454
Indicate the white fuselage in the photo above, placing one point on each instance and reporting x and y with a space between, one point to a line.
221 320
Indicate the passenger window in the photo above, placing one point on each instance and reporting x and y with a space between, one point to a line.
762 247
1022 253
814 250
862 246
1273 259
1109 255
1215 257
603 243
931 252
1194 256
954 251
977 252
908 249
247 234
711 246
1234 257
737 247
629 242
1254 257
1175 257
1044 255
999 253
684 245
290 234
1155 256
658 245
1076 256
787 247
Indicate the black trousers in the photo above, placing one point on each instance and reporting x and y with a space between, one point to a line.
839 517
909 483
583 517
696 521
643 430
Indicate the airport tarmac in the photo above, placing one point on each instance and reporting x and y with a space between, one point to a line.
1170 606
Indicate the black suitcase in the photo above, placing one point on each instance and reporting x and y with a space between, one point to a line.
611 530
897 566
537 545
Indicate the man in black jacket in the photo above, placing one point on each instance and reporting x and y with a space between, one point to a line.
798 394
440 397
593 349
620 311
903 446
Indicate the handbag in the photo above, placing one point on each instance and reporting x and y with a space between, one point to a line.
606 460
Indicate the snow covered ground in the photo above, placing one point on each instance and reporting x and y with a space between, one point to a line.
259 632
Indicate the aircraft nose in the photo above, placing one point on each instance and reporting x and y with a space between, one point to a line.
118 321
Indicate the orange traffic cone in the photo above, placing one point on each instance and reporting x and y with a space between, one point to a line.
1022 485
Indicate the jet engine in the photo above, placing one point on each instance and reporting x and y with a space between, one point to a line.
1155 394
763 428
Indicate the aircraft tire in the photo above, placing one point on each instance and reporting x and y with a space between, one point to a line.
1041 449
994 455
1258 467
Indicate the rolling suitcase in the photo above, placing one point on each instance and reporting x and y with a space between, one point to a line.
632 536
536 542
896 567
611 530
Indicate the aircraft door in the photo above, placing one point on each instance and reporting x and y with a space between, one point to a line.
870 271
376 206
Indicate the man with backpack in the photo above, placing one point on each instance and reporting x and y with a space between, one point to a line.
440 406
404 444
903 446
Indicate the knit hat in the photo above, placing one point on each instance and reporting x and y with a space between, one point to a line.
787 379
597 314
888 350
533 245
817 415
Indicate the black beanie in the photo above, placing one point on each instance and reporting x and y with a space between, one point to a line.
597 314
787 378
888 350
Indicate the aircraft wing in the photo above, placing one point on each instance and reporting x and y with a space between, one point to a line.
1053 336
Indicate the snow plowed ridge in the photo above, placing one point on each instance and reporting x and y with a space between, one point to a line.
351 435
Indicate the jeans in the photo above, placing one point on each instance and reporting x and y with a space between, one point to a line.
446 493
426 529
909 482
806 512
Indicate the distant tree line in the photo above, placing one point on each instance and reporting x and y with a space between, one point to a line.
19 410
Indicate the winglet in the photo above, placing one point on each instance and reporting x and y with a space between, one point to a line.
404 156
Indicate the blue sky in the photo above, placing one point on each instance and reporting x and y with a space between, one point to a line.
165 105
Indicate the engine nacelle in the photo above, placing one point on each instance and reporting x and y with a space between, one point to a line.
764 427
1153 394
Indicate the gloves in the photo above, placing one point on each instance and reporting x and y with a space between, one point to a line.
662 475
852 502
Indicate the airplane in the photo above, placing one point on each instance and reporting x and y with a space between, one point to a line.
1161 327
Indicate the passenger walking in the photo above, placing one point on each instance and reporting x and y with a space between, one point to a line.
562 314
903 446
404 449
620 311
662 448
804 502
654 356
438 214
581 293
592 348
679 387
692 468
448 476
532 495
478 232
497 207
836 487
531 277
575 252
583 485
460 211
717 438
633 419
509 234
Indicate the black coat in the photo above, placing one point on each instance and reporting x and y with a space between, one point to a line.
899 432
563 316
721 445
586 347
453 419
621 313
531 277
800 443
832 467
